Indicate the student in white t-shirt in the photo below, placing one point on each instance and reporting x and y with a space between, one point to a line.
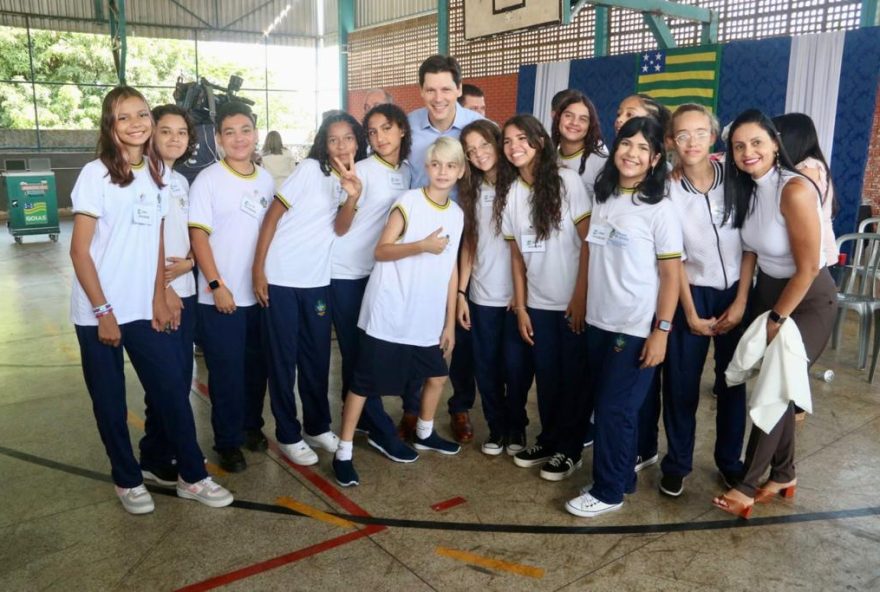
502 360
383 178
291 275
408 312
174 140
120 300
228 201
545 219
578 138
635 245
712 303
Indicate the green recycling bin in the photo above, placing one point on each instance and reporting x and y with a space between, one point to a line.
33 204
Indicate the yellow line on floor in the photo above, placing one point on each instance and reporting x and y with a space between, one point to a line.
497 564
135 421
215 470
289 502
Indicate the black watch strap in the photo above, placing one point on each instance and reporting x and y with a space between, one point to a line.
774 316
214 284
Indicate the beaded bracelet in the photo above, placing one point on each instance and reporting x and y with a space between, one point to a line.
103 310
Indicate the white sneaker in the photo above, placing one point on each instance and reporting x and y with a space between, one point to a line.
327 441
136 500
586 506
299 453
205 491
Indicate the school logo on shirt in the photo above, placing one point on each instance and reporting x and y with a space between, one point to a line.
263 201
321 308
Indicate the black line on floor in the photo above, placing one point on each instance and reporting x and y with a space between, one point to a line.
482 527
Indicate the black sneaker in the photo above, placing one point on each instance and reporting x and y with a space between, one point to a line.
232 460
344 472
165 475
672 485
559 467
493 446
516 443
530 457
255 441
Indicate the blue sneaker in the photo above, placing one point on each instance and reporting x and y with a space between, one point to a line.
437 444
394 449
345 473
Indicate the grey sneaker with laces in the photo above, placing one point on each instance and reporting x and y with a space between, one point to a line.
136 500
205 491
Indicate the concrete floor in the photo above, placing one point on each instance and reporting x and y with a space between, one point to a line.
61 527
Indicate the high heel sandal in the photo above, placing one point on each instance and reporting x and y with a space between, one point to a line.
765 496
732 506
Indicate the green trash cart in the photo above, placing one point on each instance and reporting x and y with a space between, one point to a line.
33 204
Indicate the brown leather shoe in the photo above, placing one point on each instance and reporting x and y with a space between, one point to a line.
406 429
461 427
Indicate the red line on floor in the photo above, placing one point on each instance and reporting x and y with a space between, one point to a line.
281 560
450 503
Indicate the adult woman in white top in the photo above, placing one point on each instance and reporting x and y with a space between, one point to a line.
779 212
277 159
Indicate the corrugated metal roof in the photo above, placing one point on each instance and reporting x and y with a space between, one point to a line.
376 12
218 20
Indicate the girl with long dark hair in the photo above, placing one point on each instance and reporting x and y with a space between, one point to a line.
578 137
635 247
544 213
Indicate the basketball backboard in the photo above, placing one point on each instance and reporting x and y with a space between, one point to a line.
483 18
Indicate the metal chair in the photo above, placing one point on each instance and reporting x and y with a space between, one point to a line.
864 224
857 290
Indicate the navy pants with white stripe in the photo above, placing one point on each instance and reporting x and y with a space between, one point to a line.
296 327
155 447
156 361
345 305
560 359
236 371
619 388
503 368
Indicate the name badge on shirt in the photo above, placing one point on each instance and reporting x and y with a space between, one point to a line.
396 181
250 205
144 213
531 244
487 198
618 239
599 234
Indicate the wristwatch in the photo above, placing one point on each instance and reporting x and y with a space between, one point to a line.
214 284
665 326
774 316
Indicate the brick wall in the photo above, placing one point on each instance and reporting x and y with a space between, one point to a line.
871 188
500 97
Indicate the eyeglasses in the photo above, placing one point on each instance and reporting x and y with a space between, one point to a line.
699 136
484 147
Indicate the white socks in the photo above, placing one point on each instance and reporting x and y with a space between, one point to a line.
424 428
344 450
